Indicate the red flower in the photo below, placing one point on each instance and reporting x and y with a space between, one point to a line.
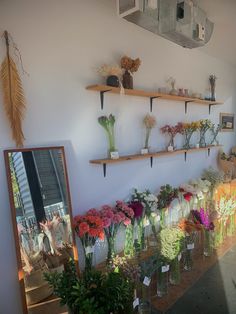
188 196
83 228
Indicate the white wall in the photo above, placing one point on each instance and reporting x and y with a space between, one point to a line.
62 42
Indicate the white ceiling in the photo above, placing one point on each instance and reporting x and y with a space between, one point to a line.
223 41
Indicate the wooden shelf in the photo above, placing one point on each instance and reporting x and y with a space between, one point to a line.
150 156
151 95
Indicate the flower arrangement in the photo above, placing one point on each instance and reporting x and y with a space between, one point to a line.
166 195
171 242
108 124
107 70
149 123
213 176
149 202
130 65
188 130
204 126
112 218
172 131
201 217
89 228
138 223
215 129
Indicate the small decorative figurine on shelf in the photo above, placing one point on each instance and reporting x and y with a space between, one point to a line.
130 66
212 79
112 73
171 82
149 123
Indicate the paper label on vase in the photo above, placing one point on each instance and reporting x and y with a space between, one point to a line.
179 257
147 281
190 246
89 249
158 218
165 268
135 303
144 151
114 155
146 223
170 148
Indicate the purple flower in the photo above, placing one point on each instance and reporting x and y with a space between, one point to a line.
202 217
137 208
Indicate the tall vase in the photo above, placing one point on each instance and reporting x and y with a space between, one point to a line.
231 226
202 141
175 271
187 138
127 81
129 241
162 281
111 248
208 243
188 253
88 255
144 303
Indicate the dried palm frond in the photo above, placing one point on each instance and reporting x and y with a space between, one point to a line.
13 95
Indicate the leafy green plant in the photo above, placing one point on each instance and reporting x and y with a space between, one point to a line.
89 293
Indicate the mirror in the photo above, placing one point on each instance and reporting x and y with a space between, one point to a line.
41 214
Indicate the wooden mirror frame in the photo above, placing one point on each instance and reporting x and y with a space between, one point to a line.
13 212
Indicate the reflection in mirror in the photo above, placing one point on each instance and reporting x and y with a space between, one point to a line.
40 199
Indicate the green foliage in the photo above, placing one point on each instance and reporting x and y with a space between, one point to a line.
94 292
166 196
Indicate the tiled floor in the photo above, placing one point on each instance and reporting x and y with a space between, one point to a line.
214 293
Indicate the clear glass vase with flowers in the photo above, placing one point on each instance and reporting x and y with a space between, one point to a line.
204 126
89 229
149 123
108 123
172 131
188 130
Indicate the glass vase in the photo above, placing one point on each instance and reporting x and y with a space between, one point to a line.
144 303
208 243
231 226
188 253
88 256
219 233
129 241
175 271
187 138
139 242
202 141
162 281
111 249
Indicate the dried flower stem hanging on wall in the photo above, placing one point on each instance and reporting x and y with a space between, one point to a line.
13 95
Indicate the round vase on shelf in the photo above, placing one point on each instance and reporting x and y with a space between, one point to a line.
113 80
127 80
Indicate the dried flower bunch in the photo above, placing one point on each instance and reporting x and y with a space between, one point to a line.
191 127
131 65
149 121
214 176
107 70
173 130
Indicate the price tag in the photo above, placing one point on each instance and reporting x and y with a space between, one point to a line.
179 257
164 269
147 281
190 246
158 218
136 303
167 212
114 155
89 249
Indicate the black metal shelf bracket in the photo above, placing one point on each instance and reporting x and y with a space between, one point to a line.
151 101
151 161
104 170
186 105
208 151
102 96
185 156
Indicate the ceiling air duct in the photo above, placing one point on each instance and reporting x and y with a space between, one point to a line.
182 22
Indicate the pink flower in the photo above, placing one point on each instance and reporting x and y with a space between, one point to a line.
83 228
93 212
106 222
127 221
117 219
137 208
